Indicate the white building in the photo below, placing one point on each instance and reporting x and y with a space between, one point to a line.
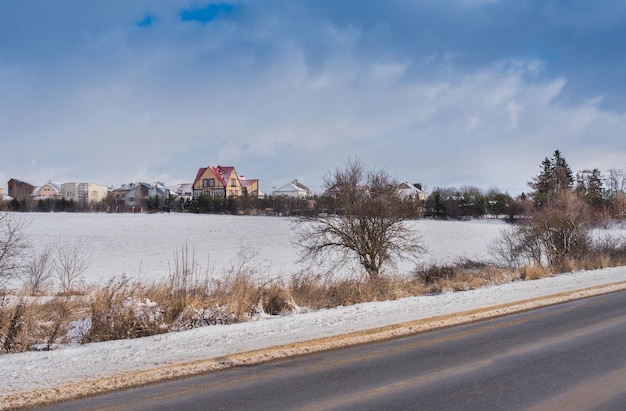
84 193
295 189
412 191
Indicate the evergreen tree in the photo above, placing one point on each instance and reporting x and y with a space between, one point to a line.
589 187
556 177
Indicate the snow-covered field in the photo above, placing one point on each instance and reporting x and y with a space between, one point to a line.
32 377
143 245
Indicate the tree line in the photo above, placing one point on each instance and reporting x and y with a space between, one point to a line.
604 193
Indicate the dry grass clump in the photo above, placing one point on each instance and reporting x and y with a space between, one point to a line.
120 310
34 323
462 275
534 272
317 291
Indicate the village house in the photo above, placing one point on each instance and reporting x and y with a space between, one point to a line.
182 191
48 191
223 181
20 190
412 191
133 197
250 187
294 189
84 193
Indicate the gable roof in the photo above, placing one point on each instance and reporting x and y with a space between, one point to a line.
247 182
201 171
290 188
221 172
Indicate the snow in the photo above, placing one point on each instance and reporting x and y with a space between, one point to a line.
142 246
37 376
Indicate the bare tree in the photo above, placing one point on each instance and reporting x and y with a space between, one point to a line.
38 272
70 262
13 246
366 222
554 234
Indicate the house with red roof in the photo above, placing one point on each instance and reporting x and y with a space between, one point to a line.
250 187
222 181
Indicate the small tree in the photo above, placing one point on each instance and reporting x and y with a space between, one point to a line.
554 234
13 246
38 272
366 222
70 262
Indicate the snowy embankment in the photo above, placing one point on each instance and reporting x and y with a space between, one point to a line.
36 377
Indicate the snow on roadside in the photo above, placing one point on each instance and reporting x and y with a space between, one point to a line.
33 371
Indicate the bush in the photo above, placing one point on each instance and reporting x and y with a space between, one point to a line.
557 234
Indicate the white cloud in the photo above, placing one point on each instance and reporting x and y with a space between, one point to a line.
473 123
513 108
283 100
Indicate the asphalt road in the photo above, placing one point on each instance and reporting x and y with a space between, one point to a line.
566 357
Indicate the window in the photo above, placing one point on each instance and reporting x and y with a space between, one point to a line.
211 182
233 182
205 182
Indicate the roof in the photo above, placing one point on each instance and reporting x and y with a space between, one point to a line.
290 188
219 171
55 186
247 182
223 172
20 182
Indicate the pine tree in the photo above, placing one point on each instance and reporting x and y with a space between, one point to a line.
556 177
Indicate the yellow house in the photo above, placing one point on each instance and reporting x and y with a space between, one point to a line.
217 181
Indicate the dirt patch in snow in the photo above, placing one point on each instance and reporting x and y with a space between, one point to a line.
127 380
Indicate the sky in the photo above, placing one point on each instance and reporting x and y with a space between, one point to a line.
443 93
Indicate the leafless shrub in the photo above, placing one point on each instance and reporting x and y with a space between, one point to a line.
607 250
13 246
70 263
557 234
38 271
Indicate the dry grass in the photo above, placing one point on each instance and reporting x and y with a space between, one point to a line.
189 298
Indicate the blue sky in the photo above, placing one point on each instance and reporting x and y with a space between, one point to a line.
446 93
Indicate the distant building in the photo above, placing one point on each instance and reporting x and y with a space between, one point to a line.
412 191
20 190
48 191
223 181
250 187
294 189
84 193
134 197
183 191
